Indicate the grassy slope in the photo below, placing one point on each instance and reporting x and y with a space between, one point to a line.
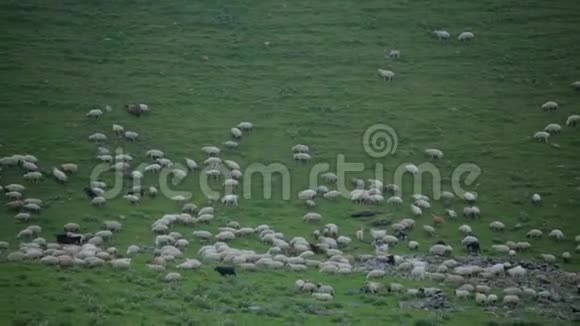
315 84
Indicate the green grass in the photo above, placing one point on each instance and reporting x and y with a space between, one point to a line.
315 84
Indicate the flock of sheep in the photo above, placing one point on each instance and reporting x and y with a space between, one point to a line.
326 249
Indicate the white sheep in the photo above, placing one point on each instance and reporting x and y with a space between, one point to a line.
576 85
95 114
573 120
466 36
387 75
307 194
245 126
98 201
553 128
59 175
534 233
412 168
566 256
556 234
542 136
413 245
511 300
131 136
303 157
97 137
172 277
121 263
211 150
230 200
441 34
434 153
536 199
236 133
300 148
312 217
550 106
429 229
548 258
517 272
497 226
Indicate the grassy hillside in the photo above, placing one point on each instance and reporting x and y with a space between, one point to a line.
203 66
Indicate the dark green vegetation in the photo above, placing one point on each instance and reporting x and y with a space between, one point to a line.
203 67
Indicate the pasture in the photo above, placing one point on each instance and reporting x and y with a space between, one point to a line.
303 72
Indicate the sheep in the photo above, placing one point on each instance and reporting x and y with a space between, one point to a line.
236 133
32 207
211 150
33 177
131 136
387 75
465 229
98 201
412 169
429 229
230 200
416 211
523 245
95 114
190 264
172 277
502 249
343 241
113 226
461 294
137 109
517 272
548 258
497 226
482 289
418 273
97 137
480 298
566 257
441 34
13 195
372 287
491 299
300 148
440 250
14 187
511 300
550 106
312 217
536 199
155 167
553 129
573 120
534 233
512 291
413 245
556 234
303 157
245 126
122 263
59 175
471 212
225 236
466 36
360 235
576 85
541 136
375 274
307 194
69 167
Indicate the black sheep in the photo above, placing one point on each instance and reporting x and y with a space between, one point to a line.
473 247
90 192
225 270
68 239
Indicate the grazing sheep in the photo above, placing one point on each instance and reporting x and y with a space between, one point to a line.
566 257
172 277
375 274
511 300
441 34
534 233
33 177
548 258
576 85
536 199
121 263
236 133
393 54
553 129
97 137
573 120
466 36
440 250
497 226
465 229
95 114
429 229
387 75
434 153
59 175
245 126
480 298
69 167
517 272
312 217
131 136
461 294
541 136
413 245
230 200
300 148
556 234
491 299
303 157
550 106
